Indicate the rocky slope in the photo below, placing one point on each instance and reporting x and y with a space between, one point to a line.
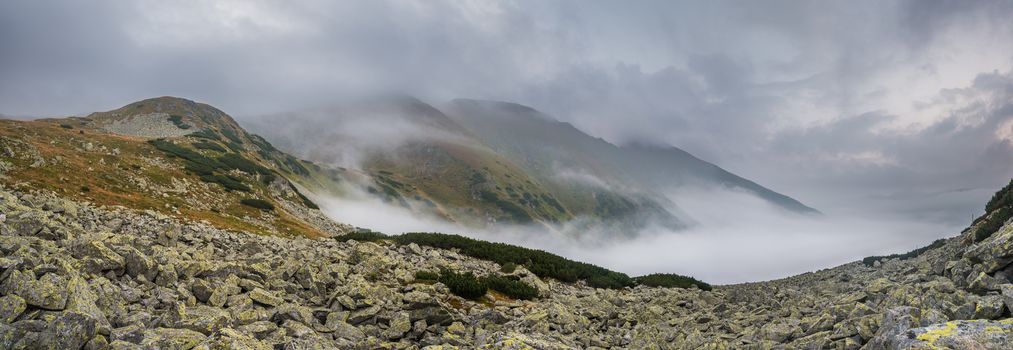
76 275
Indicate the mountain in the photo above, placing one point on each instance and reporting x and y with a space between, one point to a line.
549 148
484 162
415 156
169 155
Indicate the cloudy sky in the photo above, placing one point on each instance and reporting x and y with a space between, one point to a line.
894 108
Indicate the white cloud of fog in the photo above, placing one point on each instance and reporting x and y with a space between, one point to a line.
738 238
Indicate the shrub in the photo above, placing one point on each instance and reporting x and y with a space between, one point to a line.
226 181
869 261
257 203
541 263
85 189
511 287
363 236
427 276
231 135
669 280
178 121
509 267
464 285
514 211
66 126
236 161
209 146
205 134
998 210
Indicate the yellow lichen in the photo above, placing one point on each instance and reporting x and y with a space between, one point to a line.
932 335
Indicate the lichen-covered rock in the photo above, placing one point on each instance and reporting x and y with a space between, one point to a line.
11 306
974 334
48 292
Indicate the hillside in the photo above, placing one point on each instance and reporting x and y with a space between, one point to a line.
546 147
413 155
77 275
168 155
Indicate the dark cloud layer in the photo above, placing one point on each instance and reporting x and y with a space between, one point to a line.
898 108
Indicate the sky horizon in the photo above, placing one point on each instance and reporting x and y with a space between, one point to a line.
899 111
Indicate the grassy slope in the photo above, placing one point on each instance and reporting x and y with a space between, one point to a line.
84 163
463 179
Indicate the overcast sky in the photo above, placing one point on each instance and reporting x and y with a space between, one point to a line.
895 108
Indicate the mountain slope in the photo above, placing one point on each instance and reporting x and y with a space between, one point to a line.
415 156
170 155
549 148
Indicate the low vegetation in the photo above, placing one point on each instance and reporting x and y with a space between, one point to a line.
212 146
669 280
257 203
998 210
869 261
469 286
178 121
511 287
212 169
464 285
541 263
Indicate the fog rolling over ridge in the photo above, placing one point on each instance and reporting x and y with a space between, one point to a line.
508 173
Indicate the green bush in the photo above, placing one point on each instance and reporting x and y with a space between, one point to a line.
257 203
363 236
514 211
231 135
66 126
427 276
230 183
178 121
209 146
464 285
205 134
541 263
669 280
998 210
509 267
511 287
871 260
236 161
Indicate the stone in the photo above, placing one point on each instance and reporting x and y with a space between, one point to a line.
11 306
989 307
231 339
399 325
48 292
264 297
974 334
170 338
71 330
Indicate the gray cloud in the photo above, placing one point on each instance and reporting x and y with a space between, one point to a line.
852 106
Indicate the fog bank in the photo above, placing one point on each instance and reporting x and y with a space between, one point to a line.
737 238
